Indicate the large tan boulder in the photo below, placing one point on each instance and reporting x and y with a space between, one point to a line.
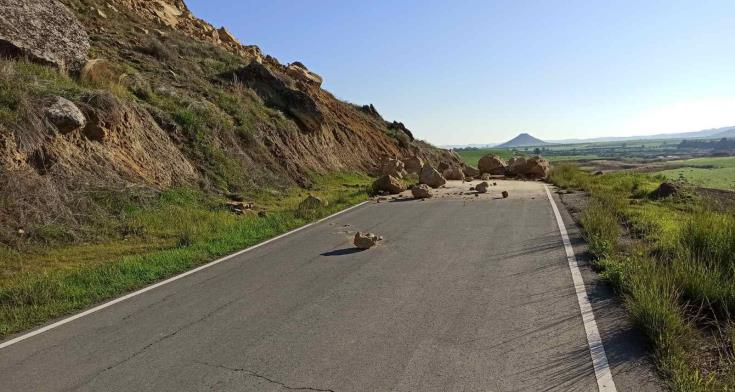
389 184
492 164
453 173
537 167
421 191
470 171
44 31
413 164
393 167
431 177
533 167
366 240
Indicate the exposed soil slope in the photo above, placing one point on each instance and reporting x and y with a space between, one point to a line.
168 100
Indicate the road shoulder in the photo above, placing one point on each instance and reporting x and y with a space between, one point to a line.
627 350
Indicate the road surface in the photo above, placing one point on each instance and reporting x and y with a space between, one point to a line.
464 294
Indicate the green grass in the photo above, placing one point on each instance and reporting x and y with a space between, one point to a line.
718 172
675 270
181 229
471 157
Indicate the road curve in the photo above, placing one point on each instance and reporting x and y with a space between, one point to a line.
464 294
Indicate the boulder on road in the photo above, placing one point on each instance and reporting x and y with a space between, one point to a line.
389 184
492 164
421 191
431 177
65 115
532 167
366 240
453 173
44 31
482 187
470 171
505 194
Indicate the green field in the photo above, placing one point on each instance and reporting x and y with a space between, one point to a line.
705 172
471 157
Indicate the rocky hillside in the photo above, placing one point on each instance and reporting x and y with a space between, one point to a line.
110 100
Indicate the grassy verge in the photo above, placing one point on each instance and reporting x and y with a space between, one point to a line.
672 261
180 229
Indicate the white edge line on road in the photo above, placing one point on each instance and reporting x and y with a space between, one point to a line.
167 281
603 374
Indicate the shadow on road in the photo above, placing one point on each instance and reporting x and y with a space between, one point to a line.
342 252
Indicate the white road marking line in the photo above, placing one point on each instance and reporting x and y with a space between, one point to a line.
605 381
167 281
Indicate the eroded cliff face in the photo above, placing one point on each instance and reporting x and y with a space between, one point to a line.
168 100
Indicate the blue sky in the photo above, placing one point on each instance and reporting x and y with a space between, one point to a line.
458 72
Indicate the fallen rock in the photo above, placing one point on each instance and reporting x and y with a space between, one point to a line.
470 171
492 164
431 177
393 167
533 167
299 71
44 31
453 173
366 240
389 184
421 191
482 187
537 167
413 164
505 194
65 115
311 203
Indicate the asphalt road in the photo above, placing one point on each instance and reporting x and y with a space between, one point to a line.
464 294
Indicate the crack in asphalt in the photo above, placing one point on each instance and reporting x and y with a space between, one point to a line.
159 340
262 377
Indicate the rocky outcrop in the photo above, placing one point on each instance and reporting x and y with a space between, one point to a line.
431 177
388 184
299 71
492 164
421 191
413 164
45 31
399 127
278 92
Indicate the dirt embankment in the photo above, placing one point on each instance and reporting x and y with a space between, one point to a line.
165 100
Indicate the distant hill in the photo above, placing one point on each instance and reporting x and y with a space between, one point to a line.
707 133
523 140
730 132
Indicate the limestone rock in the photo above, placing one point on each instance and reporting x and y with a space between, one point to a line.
421 191
492 164
389 184
45 31
431 177
65 115
366 240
